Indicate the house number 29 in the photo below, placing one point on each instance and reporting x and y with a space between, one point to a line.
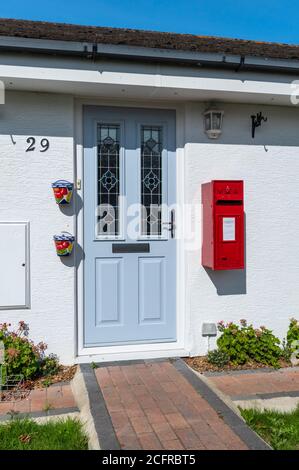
44 144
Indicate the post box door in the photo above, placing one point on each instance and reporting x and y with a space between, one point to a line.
229 245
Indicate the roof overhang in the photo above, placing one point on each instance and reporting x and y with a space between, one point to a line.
86 69
135 53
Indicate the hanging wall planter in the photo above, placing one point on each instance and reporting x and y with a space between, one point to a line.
63 191
64 244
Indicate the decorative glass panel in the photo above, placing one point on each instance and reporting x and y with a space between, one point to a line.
108 179
151 180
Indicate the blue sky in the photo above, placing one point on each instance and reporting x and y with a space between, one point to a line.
265 20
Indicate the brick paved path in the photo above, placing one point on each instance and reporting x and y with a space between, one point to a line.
250 384
152 406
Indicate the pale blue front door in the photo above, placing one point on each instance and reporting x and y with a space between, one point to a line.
129 230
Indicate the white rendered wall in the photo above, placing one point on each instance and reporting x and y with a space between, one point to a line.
26 195
267 292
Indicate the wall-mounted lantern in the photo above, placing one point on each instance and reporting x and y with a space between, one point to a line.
63 191
213 119
64 243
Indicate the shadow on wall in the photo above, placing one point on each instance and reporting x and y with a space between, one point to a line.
75 259
228 282
74 208
71 210
232 282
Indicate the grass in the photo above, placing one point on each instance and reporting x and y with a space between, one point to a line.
25 434
280 430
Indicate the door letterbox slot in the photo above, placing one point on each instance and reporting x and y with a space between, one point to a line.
130 248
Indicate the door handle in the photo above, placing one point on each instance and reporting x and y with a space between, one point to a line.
171 224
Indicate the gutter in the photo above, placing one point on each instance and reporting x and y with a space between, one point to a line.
93 51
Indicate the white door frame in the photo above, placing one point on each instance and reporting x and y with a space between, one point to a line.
138 351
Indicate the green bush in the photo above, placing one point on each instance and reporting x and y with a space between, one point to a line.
50 365
218 358
22 356
244 343
286 350
293 336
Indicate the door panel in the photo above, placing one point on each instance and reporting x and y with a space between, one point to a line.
151 289
109 291
130 256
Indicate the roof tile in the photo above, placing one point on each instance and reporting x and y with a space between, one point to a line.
152 39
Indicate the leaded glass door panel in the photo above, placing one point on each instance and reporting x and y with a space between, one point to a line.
130 253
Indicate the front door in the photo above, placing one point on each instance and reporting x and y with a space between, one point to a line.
129 226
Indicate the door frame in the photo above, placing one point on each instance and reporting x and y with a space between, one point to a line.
138 351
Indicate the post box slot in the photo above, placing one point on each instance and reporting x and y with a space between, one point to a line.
228 202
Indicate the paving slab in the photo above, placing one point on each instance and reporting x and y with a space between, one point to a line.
271 389
57 399
260 383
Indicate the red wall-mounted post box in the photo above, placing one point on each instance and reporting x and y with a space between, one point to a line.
223 225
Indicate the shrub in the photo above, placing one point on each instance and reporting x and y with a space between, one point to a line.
286 350
22 356
218 358
50 365
293 336
244 343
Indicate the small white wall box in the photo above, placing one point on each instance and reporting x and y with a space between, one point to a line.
209 329
14 265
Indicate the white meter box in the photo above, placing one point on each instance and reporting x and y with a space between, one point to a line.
14 265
